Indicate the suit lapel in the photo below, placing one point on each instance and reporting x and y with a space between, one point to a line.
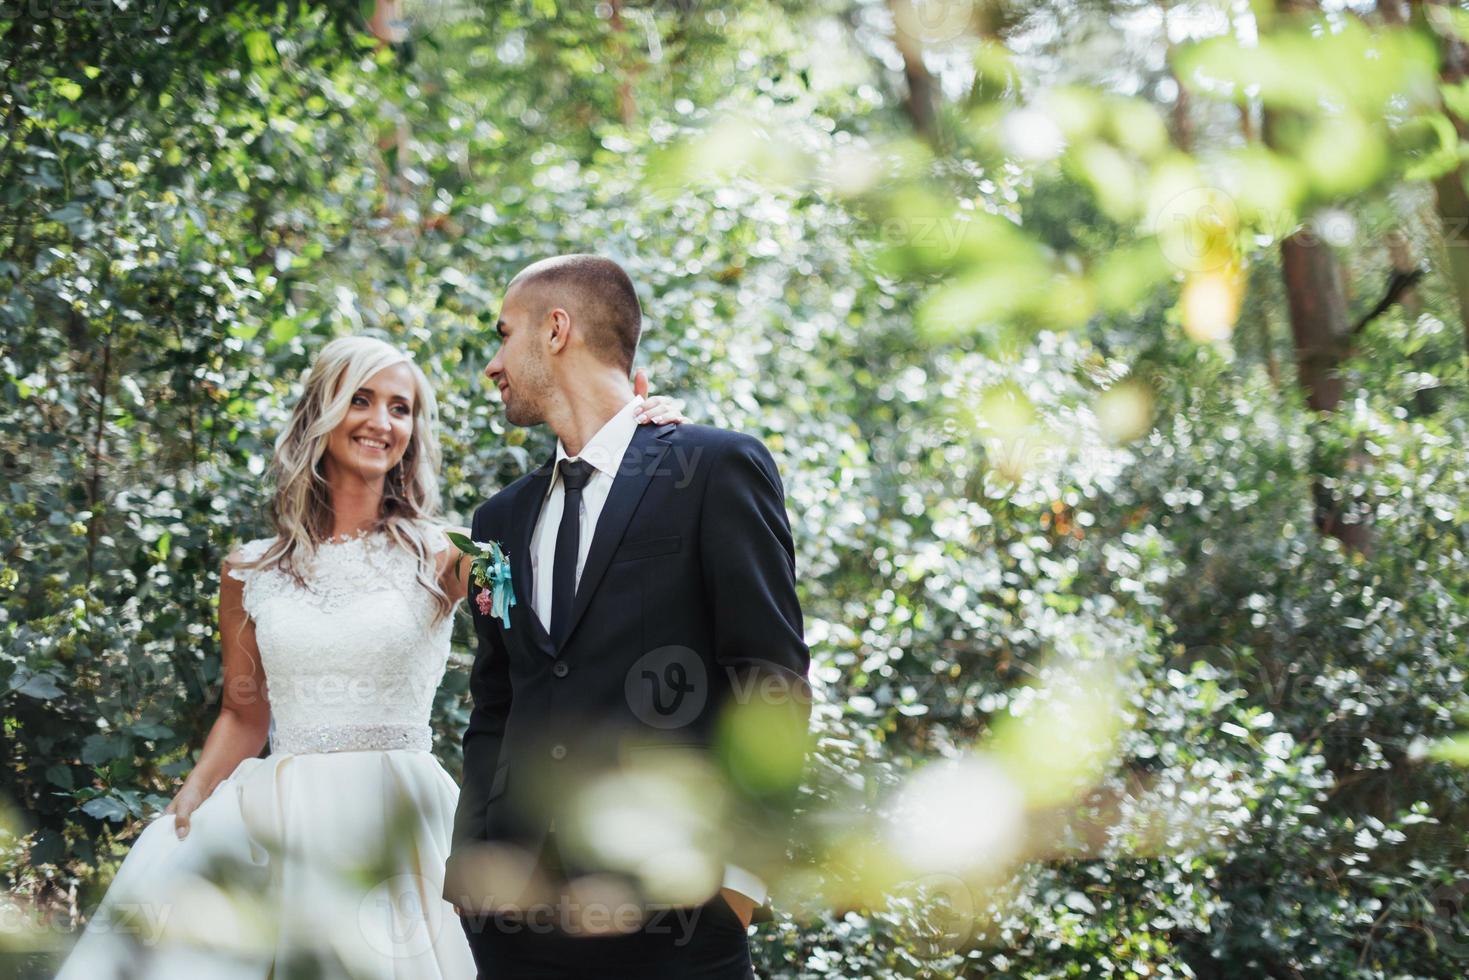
526 510
643 456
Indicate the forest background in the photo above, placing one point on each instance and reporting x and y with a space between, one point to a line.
1113 355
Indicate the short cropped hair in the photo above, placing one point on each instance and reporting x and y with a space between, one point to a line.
598 293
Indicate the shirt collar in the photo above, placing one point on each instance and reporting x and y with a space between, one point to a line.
605 449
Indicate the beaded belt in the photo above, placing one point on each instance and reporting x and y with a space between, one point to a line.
302 739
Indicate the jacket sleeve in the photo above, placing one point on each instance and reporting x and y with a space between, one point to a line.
749 574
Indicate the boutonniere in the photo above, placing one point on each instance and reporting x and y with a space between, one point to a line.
490 571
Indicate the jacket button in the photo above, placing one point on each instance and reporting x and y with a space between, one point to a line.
560 669
558 751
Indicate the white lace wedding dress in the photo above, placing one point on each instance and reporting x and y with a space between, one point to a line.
327 857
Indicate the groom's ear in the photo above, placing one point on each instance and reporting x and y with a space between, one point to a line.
558 325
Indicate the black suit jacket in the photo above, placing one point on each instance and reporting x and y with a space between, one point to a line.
687 599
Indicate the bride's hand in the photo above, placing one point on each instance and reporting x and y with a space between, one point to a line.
658 409
182 807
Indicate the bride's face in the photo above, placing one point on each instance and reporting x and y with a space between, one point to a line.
374 435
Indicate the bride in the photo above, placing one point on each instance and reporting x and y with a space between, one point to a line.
326 857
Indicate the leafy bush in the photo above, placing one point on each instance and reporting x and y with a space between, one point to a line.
985 550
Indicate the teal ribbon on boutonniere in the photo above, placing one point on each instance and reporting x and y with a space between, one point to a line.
489 569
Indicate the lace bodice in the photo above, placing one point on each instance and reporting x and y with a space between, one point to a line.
352 660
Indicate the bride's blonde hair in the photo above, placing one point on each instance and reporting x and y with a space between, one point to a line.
302 510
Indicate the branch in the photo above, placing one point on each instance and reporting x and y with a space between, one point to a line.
1398 284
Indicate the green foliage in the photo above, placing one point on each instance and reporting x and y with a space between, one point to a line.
994 521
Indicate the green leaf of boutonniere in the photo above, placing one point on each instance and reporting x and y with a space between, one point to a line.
489 570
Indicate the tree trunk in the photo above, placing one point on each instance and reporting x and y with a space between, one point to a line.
1180 118
627 104
1318 316
1322 333
1318 320
1452 198
922 101
94 483
1453 213
1267 347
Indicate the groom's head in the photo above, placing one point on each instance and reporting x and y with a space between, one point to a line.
563 320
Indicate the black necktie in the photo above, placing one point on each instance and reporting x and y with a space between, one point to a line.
574 476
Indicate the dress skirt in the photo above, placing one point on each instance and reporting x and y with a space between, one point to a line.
320 864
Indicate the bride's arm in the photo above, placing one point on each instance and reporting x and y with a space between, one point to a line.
244 715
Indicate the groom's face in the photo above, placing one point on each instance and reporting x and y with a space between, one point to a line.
521 369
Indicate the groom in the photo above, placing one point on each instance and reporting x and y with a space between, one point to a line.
654 582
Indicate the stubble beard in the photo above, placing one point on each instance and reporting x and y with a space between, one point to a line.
519 414
525 408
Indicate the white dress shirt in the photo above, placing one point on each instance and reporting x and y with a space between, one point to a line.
604 451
